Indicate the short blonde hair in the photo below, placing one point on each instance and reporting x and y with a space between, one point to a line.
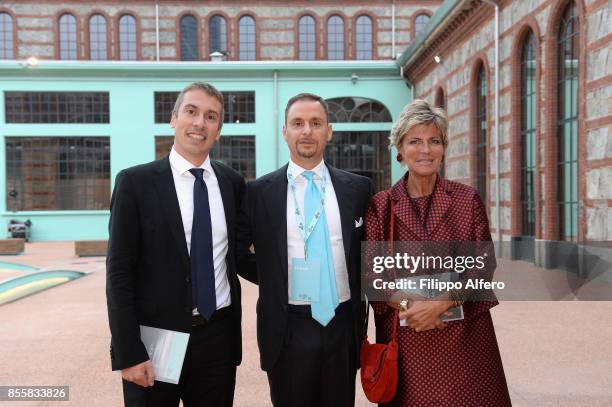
418 112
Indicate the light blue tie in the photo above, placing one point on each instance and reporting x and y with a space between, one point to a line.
319 247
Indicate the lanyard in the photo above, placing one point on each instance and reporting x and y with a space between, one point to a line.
299 216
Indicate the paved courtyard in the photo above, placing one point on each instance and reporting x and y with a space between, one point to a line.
555 353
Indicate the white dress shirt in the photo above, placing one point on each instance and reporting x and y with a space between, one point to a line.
183 183
295 243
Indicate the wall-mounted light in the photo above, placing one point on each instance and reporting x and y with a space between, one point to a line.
438 59
354 78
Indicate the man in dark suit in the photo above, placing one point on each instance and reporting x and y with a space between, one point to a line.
305 222
171 261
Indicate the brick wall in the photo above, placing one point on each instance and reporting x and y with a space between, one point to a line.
276 23
470 41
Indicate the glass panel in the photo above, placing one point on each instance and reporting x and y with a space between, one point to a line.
218 35
481 136
57 107
528 117
237 152
247 39
239 107
420 23
335 38
58 173
362 152
6 36
357 110
127 38
68 37
189 38
97 38
363 36
307 38
567 137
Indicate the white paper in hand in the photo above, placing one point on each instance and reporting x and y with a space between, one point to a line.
166 351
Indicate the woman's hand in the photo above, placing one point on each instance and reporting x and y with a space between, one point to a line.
425 315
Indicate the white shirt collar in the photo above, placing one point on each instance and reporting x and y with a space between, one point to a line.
182 166
296 170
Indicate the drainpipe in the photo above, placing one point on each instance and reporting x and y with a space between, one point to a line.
157 30
275 114
393 55
495 3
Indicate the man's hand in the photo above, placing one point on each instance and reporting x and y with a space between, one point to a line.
142 374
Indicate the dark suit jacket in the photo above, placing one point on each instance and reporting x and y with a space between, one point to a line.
263 222
148 280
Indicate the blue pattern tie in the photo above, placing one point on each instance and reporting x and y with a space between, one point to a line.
201 254
319 247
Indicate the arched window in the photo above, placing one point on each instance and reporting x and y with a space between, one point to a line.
67 37
528 134
97 38
6 36
568 49
363 37
189 38
307 38
335 38
217 32
357 110
481 134
420 23
127 38
247 39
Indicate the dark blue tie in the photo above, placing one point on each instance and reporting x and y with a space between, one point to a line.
202 265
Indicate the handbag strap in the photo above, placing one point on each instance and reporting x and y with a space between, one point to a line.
396 316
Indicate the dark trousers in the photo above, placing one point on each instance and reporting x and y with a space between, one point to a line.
208 376
317 365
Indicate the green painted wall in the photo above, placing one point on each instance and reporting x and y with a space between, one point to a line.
132 126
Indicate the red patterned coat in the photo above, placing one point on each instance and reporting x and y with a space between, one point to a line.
461 364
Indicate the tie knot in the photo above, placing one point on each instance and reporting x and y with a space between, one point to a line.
309 175
198 173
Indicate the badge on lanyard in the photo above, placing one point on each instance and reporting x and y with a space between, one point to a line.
306 272
305 280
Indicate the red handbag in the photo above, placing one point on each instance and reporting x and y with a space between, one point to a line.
379 361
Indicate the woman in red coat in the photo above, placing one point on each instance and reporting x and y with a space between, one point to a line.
452 363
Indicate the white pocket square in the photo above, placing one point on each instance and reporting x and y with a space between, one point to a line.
358 223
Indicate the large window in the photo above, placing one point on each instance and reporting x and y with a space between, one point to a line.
67 37
189 38
57 173
335 38
528 134
237 152
247 45
307 38
56 107
127 38
97 38
217 32
567 124
363 37
6 36
357 110
362 152
481 135
420 23
239 107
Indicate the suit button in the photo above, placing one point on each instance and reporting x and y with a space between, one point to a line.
188 279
